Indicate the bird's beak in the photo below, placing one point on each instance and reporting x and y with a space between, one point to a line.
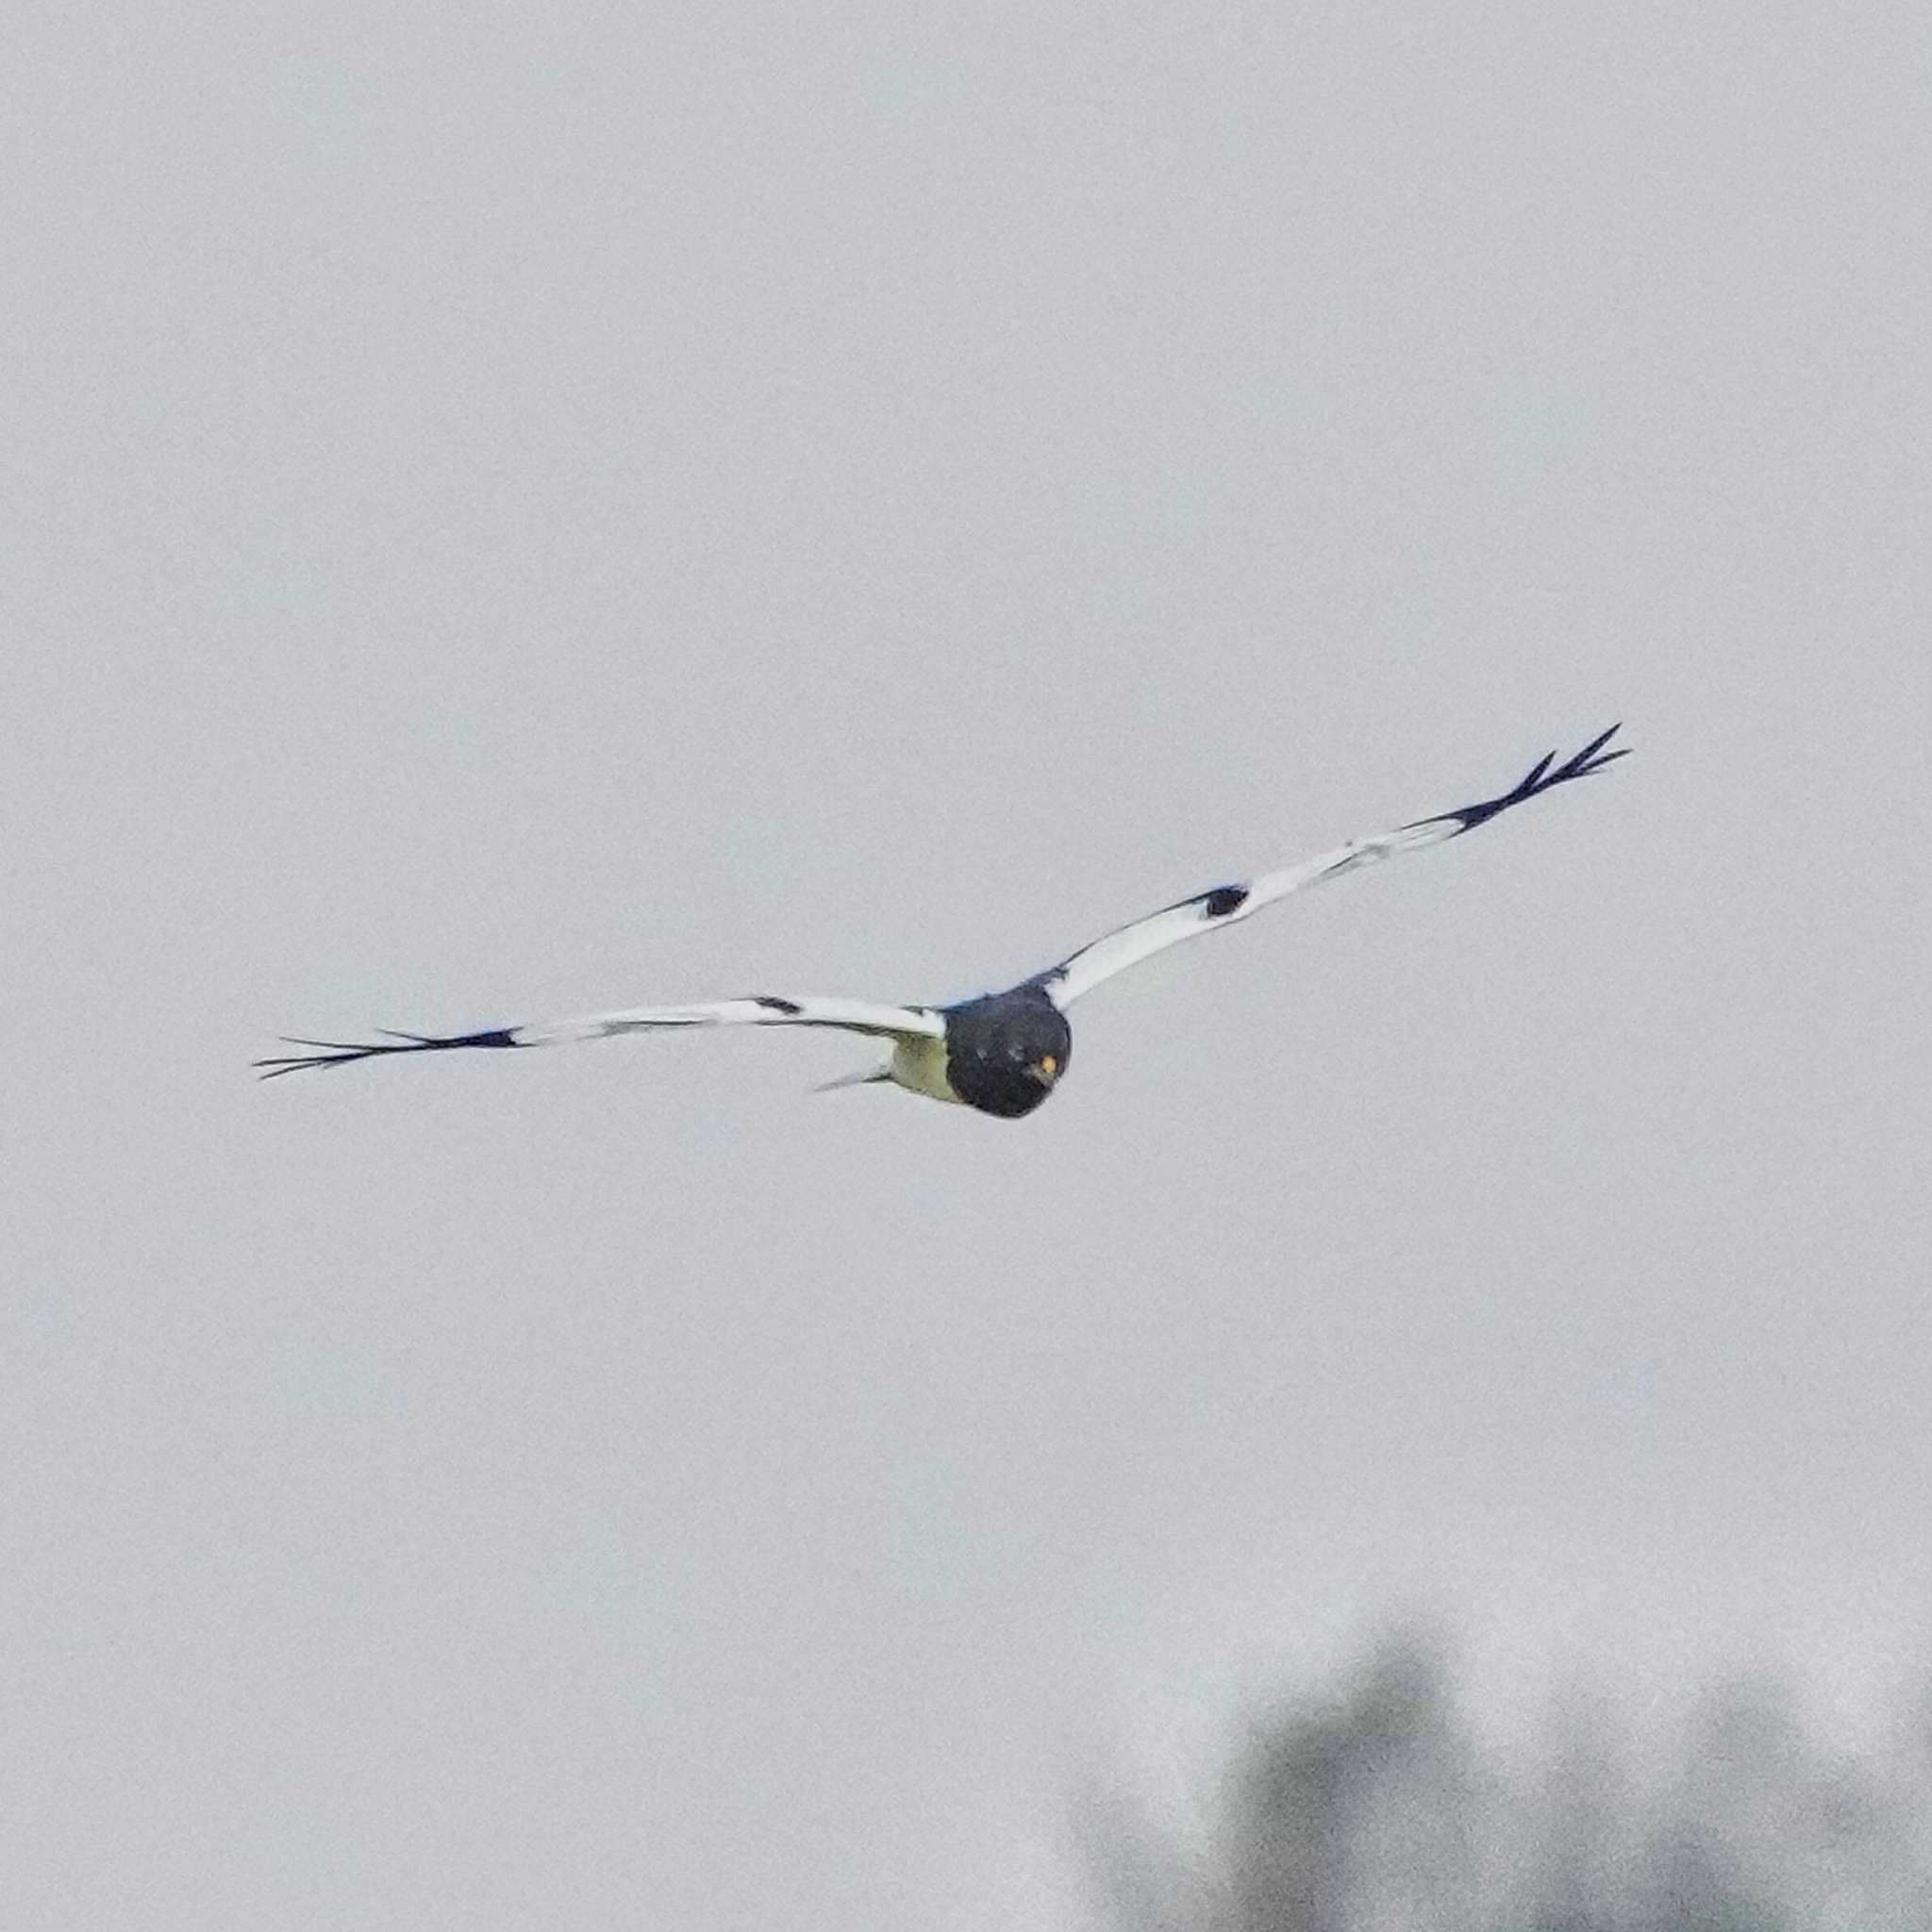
1046 1069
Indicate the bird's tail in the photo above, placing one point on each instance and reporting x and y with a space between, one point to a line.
866 1076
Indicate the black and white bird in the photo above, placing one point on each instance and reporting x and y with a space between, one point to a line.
1002 1052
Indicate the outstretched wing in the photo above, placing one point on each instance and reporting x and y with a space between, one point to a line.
1226 904
767 1009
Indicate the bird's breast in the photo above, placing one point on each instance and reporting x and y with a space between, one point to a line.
920 1066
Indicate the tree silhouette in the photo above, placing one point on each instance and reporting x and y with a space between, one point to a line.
1371 1810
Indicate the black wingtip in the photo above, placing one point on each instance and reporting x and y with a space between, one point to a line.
329 1053
343 1053
1540 777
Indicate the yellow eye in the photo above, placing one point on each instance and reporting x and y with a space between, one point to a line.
1048 1064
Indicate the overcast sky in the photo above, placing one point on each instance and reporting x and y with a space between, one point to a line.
512 511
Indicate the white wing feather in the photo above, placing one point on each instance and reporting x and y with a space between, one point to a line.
850 1016
1228 905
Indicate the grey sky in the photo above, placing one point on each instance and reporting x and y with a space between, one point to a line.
527 510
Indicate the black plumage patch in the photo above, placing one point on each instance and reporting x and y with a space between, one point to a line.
1540 779
771 1003
991 1042
1224 900
343 1053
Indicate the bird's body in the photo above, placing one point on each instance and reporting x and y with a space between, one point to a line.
918 1065
1003 1053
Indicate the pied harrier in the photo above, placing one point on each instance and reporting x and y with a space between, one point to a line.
1002 1053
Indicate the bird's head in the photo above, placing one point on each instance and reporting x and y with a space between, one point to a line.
1005 1054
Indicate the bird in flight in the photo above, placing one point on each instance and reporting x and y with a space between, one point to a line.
1002 1053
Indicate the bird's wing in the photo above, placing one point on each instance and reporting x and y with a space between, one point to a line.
1225 905
767 1009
